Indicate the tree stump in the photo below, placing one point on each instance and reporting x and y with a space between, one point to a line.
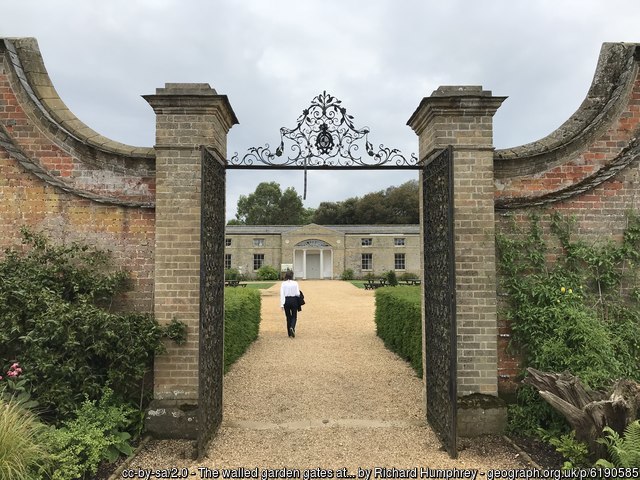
588 411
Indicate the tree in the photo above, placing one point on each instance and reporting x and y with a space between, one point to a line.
292 211
403 202
395 205
327 213
373 209
268 205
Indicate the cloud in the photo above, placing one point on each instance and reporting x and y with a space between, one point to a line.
379 57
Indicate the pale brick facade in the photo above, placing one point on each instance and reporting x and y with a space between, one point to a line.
462 117
324 252
187 116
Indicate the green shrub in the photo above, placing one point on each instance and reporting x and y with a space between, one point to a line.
73 350
242 322
399 322
67 274
571 308
55 312
408 276
267 272
347 274
232 274
576 453
177 331
22 454
98 432
530 413
369 276
391 278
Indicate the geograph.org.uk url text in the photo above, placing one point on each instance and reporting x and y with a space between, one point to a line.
377 473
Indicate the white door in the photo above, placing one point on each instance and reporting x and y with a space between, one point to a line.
313 265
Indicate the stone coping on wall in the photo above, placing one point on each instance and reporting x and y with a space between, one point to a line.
45 138
598 142
28 66
613 80
32 167
626 157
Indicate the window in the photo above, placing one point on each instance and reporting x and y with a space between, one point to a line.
258 260
367 261
399 261
398 242
258 242
227 242
227 261
367 242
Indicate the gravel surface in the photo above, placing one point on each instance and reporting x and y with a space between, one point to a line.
333 397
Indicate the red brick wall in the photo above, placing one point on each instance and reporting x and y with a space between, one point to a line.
594 177
127 232
53 180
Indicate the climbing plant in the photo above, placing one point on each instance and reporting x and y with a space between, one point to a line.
573 305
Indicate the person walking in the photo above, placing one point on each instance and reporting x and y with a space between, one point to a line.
290 301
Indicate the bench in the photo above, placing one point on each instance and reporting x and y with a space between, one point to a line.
234 283
372 284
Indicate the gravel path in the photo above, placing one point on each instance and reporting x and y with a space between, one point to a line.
332 397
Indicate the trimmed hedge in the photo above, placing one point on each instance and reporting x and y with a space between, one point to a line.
241 322
399 323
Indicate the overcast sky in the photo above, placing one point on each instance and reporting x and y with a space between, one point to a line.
272 57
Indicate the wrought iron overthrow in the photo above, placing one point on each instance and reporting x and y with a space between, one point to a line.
439 298
211 368
324 138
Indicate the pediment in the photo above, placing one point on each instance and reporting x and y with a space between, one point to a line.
313 229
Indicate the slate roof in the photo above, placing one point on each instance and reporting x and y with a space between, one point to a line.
346 229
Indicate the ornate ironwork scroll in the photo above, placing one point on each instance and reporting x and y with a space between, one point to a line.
211 365
324 137
314 243
439 298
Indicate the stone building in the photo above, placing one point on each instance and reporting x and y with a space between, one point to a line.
324 252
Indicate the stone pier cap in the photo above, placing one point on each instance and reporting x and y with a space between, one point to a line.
465 100
460 90
186 89
192 98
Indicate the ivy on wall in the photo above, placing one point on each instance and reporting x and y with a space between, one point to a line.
572 304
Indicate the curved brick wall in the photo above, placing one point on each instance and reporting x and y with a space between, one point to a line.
590 148
588 168
58 175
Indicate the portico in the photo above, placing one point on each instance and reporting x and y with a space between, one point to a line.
313 259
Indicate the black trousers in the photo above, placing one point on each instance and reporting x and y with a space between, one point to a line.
291 311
